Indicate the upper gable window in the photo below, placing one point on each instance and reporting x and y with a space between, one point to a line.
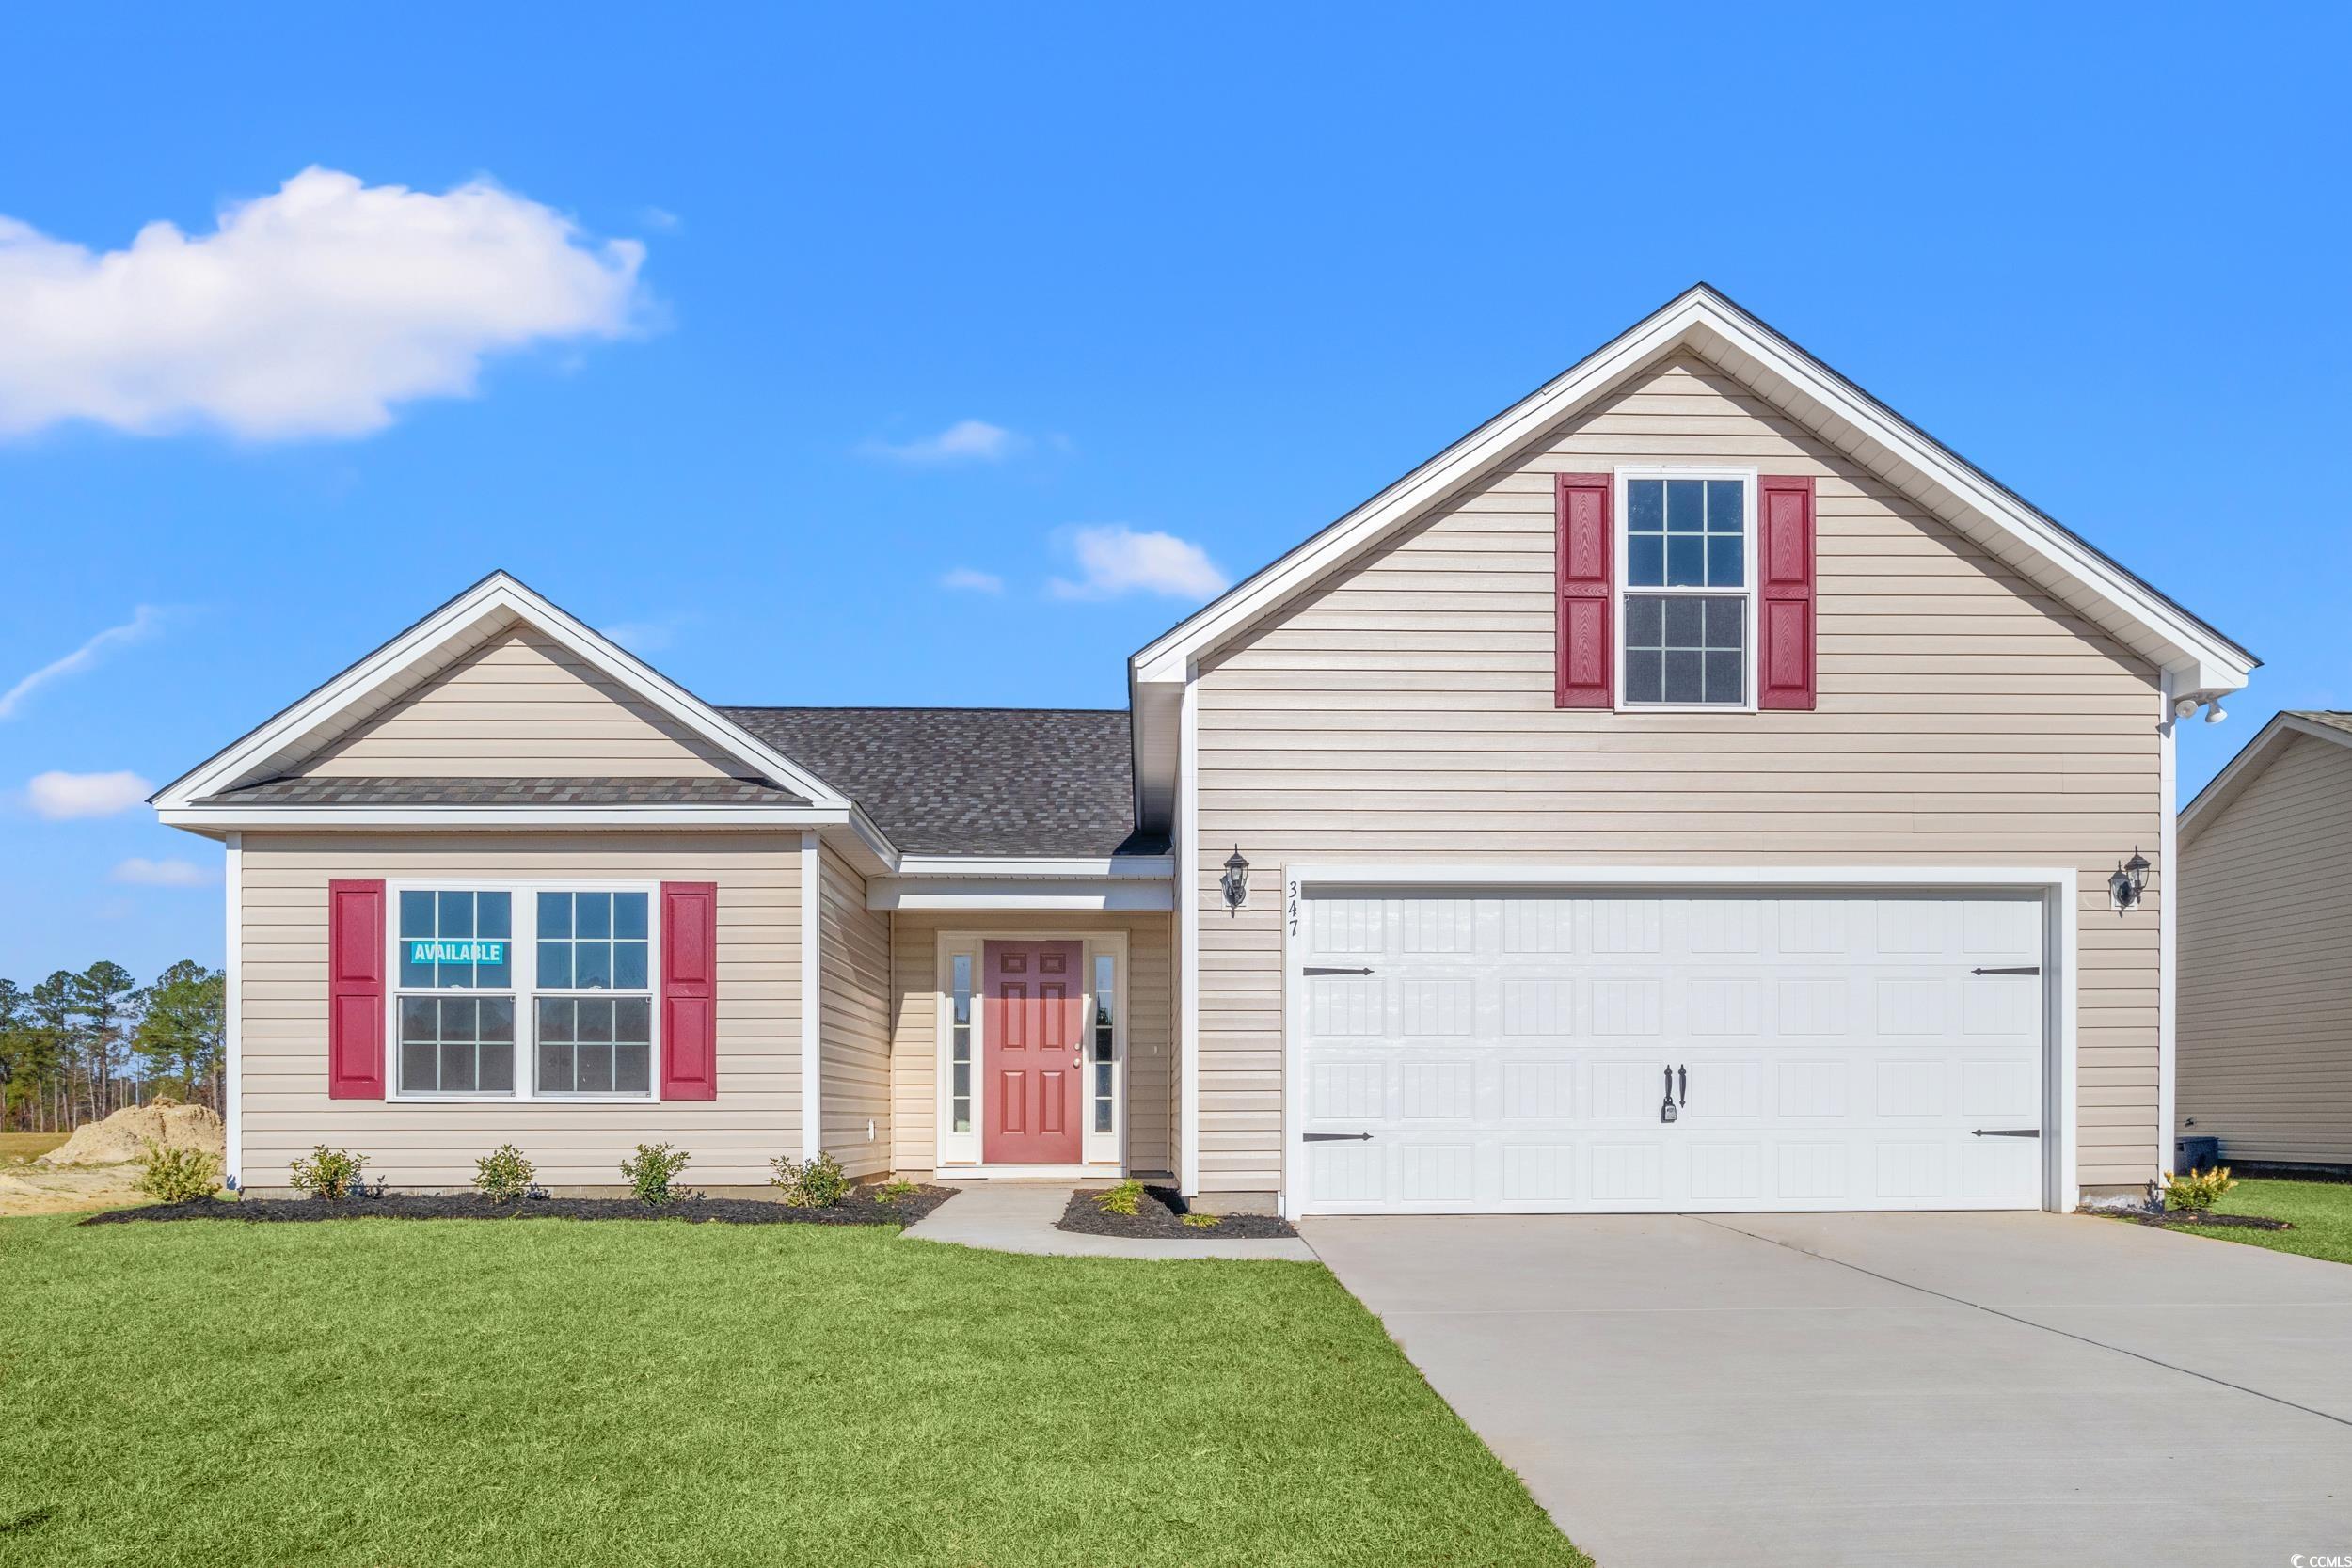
1686 595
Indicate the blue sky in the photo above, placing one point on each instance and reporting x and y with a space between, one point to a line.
1209 273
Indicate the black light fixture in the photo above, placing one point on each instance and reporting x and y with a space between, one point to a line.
1235 881
2129 881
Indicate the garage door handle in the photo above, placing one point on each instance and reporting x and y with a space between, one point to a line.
2018 969
2007 1132
1319 969
1334 1137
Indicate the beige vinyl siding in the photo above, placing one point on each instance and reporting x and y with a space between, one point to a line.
1401 708
415 1144
1151 1025
853 1020
2265 1047
521 706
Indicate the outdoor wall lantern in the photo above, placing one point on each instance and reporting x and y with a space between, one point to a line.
2129 881
1235 881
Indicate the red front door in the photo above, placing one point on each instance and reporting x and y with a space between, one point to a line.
1031 1021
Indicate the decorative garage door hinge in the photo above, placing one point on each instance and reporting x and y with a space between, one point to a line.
2014 969
1334 1137
1324 969
2007 1132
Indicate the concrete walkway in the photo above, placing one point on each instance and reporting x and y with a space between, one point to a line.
1874 1389
1018 1216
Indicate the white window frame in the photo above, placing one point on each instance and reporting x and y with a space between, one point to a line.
1621 558
525 968
1100 1154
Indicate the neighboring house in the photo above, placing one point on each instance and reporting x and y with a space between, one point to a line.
1693 730
2265 1052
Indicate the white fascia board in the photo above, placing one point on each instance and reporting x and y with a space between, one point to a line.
217 819
496 594
2251 759
1119 868
2204 662
1105 895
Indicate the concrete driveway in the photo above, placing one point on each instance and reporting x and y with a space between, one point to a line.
1875 1388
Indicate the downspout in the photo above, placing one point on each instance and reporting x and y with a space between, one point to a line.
812 998
233 1019
1189 936
2168 925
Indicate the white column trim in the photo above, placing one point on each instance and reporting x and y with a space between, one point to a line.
1188 936
812 997
232 1017
2168 924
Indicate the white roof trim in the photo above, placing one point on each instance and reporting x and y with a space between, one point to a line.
496 599
2245 768
1116 867
1714 328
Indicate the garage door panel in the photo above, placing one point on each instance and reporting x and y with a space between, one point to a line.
1510 1052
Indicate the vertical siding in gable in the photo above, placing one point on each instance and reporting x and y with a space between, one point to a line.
1402 709
522 707
853 1026
2264 1031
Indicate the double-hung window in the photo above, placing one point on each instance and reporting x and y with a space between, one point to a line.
524 991
1686 594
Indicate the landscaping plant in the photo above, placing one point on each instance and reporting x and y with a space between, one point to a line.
503 1175
178 1175
649 1172
893 1191
2196 1190
1201 1222
818 1183
328 1173
1125 1199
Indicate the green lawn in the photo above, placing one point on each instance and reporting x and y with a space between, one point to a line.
406 1394
17 1147
2321 1212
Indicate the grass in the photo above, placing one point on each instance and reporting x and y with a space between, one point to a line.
655 1393
2321 1212
16 1149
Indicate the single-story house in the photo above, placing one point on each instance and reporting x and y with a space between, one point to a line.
2265 1052
1694 788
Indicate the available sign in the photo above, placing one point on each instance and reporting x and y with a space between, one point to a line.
457 952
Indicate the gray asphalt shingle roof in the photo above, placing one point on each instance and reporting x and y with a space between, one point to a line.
2332 718
1053 781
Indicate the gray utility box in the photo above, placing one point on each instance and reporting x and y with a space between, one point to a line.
2190 1154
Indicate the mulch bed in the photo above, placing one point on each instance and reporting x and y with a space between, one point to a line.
1160 1217
2184 1219
862 1207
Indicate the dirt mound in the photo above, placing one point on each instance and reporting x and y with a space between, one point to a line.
125 1135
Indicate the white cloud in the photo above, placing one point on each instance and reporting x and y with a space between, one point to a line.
642 637
969 580
168 872
964 441
142 624
60 796
309 312
1116 560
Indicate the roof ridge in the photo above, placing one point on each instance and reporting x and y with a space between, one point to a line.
905 707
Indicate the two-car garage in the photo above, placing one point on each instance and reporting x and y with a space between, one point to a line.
1527 1048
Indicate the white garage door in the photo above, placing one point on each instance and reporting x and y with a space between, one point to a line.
1516 1051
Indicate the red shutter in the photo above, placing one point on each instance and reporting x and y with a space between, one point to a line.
1582 654
1784 613
355 990
689 990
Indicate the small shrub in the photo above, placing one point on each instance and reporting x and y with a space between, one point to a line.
1126 1198
1201 1222
332 1174
650 1172
178 1175
894 1192
818 1183
503 1175
2196 1190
